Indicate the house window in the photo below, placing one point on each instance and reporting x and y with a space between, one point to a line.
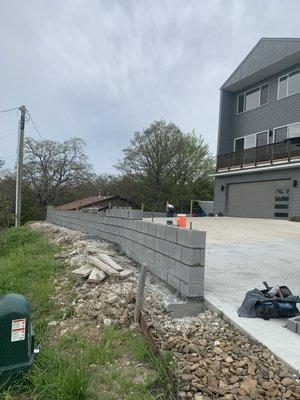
286 132
241 99
294 130
289 84
239 144
262 138
280 134
253 98
250 141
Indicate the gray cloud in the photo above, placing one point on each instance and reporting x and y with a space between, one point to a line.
103 69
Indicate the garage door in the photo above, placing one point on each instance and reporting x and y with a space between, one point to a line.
268 199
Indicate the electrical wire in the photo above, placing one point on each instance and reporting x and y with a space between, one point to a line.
8 157
12 134
37 131
9 109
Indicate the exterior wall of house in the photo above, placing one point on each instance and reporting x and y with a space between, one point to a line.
291 173
269 116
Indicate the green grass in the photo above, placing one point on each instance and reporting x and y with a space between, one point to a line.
116 365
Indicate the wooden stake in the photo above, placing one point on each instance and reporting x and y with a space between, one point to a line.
140 293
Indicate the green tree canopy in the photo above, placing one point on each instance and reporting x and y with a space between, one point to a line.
167 164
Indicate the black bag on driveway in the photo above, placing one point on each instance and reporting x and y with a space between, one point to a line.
260 304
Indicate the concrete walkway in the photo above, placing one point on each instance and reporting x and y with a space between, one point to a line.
241 254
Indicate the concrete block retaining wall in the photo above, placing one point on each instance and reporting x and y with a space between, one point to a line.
175 255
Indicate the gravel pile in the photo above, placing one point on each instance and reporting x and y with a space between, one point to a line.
215 360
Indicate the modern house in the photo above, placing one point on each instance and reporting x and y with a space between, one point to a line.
258 155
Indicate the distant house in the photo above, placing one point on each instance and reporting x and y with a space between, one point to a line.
97 203
258 159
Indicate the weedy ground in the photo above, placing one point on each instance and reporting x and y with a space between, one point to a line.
115 365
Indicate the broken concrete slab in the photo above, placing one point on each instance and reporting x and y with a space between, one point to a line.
97 275
83 271
105 257
105 267
125 273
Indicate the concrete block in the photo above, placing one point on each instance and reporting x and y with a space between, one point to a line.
164 247
160 231
175 251
150 255
189 274
191 238
135 214
171 233
173 281
160 261
293 324
152 268
137 226
155 243
195 290
151 229
144 226
188 255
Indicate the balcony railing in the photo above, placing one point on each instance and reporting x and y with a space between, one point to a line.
275 153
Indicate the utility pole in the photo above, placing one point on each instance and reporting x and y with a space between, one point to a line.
19 176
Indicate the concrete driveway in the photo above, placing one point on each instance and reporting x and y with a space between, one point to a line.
241 253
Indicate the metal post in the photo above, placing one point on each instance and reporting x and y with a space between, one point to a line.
140 293
19 175
191 208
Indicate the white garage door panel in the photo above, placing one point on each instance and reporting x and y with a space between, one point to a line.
255 199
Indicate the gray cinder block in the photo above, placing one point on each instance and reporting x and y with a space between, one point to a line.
190 238
151 229
171 233
173 281
144 226
164 247
293 324
175 251
188 274
160 231
191 290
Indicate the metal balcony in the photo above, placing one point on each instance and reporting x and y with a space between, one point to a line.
275 153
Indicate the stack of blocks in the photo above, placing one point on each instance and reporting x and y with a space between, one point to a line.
175 255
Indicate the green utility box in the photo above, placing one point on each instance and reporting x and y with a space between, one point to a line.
16 339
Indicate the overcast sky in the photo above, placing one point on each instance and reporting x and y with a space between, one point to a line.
101 69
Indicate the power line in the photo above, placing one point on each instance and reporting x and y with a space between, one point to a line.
12 134
9 109
8 156
38 132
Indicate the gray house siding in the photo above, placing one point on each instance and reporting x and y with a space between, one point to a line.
269 116
264 54
225 136
293 174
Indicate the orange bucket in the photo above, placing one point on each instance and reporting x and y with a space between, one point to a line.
181 220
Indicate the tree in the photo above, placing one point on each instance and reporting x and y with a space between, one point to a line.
52 168
166 164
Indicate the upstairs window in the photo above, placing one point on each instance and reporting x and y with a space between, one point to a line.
289 84
253 99
250 141
287 132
